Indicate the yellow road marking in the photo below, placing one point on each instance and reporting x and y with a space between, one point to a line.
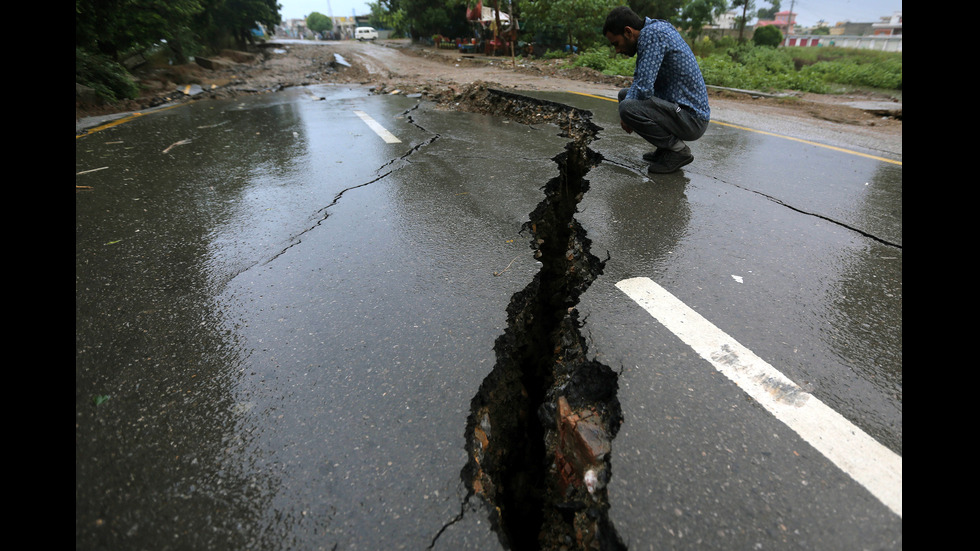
592 96
123 120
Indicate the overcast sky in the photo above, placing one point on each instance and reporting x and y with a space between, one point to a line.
298 9
808 11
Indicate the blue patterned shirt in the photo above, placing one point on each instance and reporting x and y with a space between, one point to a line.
666 68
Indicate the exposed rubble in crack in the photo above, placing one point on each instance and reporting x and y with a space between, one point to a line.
481 97
541 426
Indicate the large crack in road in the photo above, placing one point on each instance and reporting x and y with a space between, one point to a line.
541 426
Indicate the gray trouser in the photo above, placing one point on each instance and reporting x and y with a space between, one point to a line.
660 122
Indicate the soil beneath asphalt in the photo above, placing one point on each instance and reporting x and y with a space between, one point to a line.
445 76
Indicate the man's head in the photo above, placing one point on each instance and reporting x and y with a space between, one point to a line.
622 28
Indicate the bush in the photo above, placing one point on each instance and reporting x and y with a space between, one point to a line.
605 60
757 68
767 59
596 58
854 74
622 66
721 70
767 68
109 79
767 36
707 45
850 66
703 47
725 42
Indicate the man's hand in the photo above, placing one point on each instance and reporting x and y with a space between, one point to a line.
625 127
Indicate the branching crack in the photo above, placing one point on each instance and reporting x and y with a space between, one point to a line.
541 426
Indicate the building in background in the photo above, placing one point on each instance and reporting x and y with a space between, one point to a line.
888 26
885 35
785 21
848 28
343 27
293 28
725 20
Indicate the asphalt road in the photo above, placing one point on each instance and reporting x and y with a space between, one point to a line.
286 303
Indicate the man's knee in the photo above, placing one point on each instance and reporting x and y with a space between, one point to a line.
631 109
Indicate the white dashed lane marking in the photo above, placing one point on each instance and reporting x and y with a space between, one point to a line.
871 464
388 137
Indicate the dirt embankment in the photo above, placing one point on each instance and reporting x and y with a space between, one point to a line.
439 74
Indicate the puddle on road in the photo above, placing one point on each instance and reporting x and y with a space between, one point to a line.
540 429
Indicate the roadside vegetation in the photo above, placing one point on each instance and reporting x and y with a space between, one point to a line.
804 69
749 66
114 36
571 29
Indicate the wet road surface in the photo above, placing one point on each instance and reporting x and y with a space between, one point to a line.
283 319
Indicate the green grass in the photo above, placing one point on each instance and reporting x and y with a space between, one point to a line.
805 69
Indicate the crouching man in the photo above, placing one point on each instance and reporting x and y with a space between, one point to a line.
667 104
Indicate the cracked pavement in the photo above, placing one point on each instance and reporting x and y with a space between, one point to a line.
288 321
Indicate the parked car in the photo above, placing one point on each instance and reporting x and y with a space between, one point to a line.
365 33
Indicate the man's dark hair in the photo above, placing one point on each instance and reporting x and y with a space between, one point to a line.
620 18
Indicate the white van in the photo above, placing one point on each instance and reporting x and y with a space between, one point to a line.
365 33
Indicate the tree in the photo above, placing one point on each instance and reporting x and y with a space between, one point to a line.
318 23
667 10
236 19
578 21
748 12
116 28
699 13
383 18
418 18
108 31
768 14
770 35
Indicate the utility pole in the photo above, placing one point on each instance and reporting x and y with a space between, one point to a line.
791 23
